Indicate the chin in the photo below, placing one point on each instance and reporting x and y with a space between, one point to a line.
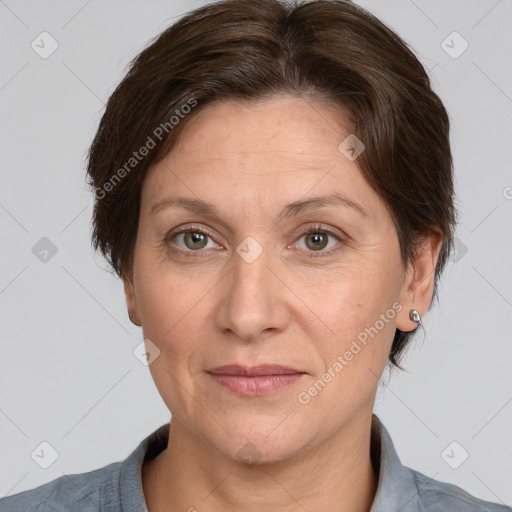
259 443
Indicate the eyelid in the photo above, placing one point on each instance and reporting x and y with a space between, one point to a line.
189 227
321 228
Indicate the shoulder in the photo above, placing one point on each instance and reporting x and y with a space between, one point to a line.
78 492
404 489
116 486
436 496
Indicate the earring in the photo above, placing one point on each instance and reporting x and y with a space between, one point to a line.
415 316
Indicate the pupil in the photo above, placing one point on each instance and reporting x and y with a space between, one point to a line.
196 240
318 240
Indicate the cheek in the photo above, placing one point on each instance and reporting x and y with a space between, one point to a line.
171 313
172 310
358 306
353 353
352 299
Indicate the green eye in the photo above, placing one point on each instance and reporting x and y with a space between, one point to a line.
192 240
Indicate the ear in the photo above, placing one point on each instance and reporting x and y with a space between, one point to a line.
418 286
131 299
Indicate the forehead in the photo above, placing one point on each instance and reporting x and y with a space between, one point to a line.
269 136
283 125
276 150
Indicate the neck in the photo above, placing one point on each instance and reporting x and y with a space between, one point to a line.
190 475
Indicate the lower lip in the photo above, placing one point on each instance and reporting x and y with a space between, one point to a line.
257 385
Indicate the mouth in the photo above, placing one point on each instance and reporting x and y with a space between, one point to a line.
255 380
253 371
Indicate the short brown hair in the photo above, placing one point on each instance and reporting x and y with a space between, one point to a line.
246 50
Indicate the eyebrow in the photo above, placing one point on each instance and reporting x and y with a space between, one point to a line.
296 208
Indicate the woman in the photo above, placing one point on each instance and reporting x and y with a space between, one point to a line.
274 187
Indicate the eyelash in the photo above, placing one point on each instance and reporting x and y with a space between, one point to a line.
317 228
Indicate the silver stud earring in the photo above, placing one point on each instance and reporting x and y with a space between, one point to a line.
415 316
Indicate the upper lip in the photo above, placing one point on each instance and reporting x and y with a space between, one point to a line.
263 369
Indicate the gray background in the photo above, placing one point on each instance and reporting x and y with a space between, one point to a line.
68 375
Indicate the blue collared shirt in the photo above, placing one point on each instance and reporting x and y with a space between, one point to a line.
118 486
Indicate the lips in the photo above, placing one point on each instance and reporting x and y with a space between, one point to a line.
265 369
256 380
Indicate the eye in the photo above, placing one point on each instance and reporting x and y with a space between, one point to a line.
318 239
190 239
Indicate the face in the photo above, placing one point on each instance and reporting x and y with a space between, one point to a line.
239 262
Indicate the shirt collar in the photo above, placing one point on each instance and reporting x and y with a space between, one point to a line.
132 494
396 488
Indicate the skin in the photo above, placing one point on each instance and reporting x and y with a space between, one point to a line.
289 306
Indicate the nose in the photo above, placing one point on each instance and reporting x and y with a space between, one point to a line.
254 300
